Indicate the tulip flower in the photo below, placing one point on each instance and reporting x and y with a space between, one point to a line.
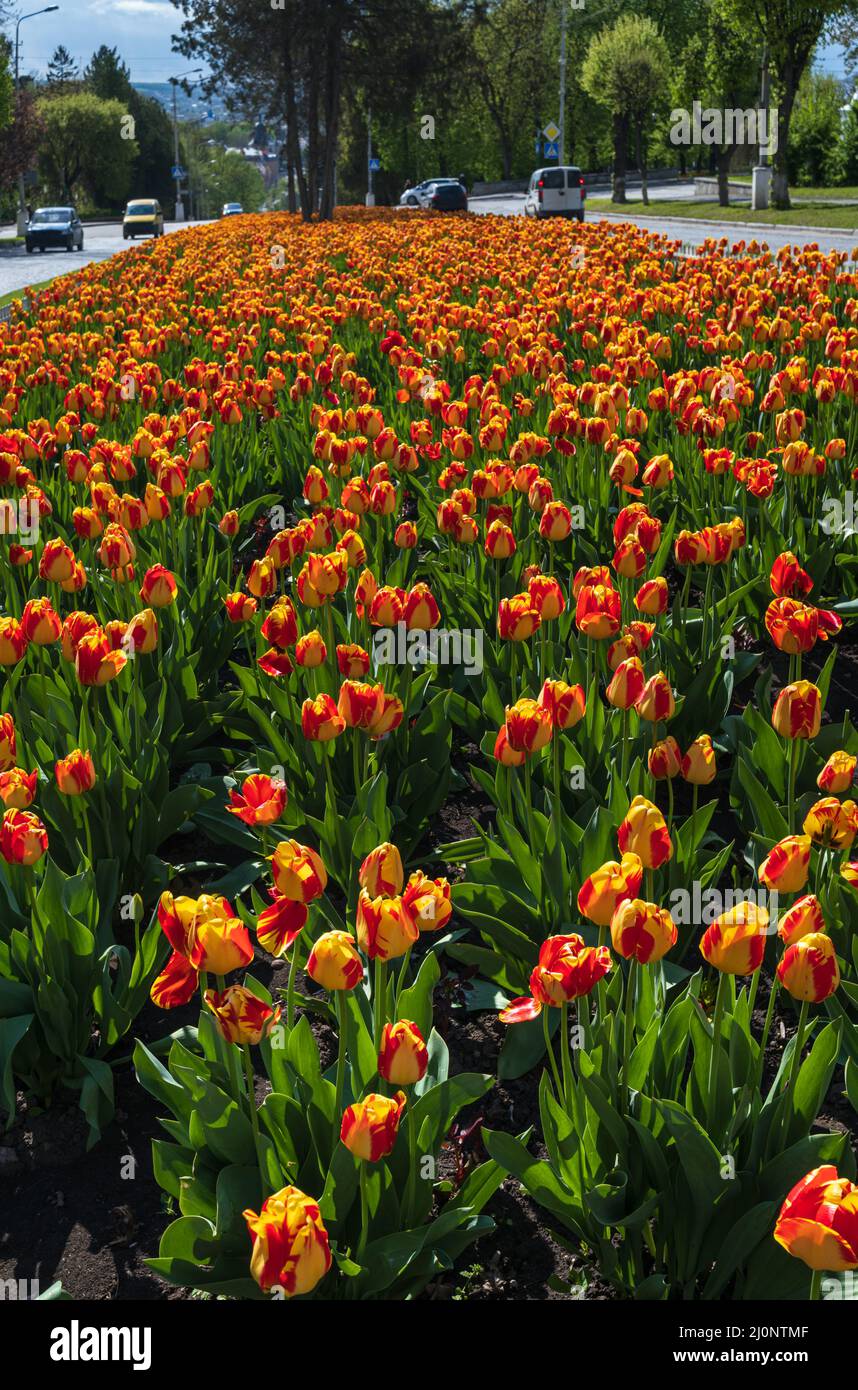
567 969
334 962
528 726
290 1243
8 742
321 720
75 774
566 704
261 800
602 892
597 611
96 662
838 774
240 608
808 969
39 623
23 838
518 618
403 1056
787 577
656 701
427 902
665 759
642 931
818 1222
241 1017
803 918
280 628
18 788
352 661
385 930
381 872
627 684
360 705
370 1126
206 936
785 867
275 664
13 641
504 753
644 832
831 823
736 941
797 711
158 588
698 762
298 872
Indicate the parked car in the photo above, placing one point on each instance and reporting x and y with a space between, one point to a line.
447 195
556 192
54 227
417 195
231 209
143 216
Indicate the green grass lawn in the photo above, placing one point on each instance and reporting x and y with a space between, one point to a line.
810 214
19 294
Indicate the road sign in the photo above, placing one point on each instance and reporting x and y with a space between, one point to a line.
177 172
552 149
375 165
551 132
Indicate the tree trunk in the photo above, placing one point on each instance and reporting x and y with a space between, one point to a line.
780 174
292 201
640 145
724 157
621 135
333 66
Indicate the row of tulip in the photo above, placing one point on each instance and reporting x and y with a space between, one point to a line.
608 482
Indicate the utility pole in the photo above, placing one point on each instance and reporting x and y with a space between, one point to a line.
761 174
370 195
174 81
22 207
561 144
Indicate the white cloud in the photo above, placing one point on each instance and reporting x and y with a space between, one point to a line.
146 9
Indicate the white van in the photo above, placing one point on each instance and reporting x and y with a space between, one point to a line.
555 192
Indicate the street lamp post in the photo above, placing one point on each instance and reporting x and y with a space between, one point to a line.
370 195
561 145
180 207
22 210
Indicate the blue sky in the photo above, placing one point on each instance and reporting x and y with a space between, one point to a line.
141 30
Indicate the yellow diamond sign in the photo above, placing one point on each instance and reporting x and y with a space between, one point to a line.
551 131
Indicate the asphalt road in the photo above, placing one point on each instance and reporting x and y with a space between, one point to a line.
17 269
692 232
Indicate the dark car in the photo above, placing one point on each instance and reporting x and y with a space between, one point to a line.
448 197
54 227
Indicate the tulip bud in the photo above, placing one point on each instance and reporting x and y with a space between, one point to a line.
290 1243
809 969
334 962
403 1056
736 941
798 711
644 832
370 1126
642 931
381 872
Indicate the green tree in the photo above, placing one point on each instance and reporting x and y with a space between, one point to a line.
791 30
222 176
626 70
83 149
107 76
7 104
62 69
813 154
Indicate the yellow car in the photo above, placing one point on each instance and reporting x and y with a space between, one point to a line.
143 216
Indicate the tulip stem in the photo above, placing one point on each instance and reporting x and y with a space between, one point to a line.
565 1059
815 1286
795 1064
290 988
379 999
628 1032
715 1054
558 1085
251 1093
624 766
764 1037
342 1047
364 1212
793 752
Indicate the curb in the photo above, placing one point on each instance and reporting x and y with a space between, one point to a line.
758 227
